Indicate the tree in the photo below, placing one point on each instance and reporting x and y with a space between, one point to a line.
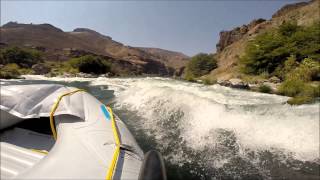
22 57
200 65
90 64
269 51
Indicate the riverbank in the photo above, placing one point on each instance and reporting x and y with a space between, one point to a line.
270 86
232 83
300 92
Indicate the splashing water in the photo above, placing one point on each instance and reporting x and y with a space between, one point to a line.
214 132
222 132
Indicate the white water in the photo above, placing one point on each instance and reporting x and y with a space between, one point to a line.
269 124
258 121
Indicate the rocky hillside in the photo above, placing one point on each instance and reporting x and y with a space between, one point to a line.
232 43
175 59
58 45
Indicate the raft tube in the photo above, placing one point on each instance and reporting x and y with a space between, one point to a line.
56 132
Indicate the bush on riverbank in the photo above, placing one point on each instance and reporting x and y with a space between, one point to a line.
291 53
265 89
298 80
300 100
200 65
90 64
22 57
269 51
301 92
9 71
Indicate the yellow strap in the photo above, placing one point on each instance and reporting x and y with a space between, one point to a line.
114 130
54 108
40 151
116 152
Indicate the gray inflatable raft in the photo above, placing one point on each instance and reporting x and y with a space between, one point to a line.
58 132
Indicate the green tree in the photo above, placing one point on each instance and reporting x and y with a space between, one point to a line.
288 29
268 51
90 64
23 57
200 65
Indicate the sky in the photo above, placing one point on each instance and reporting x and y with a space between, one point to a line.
189 27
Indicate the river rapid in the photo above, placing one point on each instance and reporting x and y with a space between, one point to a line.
211 132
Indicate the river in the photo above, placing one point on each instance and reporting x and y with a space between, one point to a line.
211 132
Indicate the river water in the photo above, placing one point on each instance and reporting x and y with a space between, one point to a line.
211 132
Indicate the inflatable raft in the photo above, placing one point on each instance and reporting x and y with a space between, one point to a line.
58 132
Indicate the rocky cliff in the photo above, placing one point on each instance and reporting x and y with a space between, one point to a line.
232 43
58 45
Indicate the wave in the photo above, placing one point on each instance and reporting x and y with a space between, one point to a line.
196 118
260 121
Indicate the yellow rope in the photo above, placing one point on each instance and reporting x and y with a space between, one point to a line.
40 151
114 130
54 108
116 152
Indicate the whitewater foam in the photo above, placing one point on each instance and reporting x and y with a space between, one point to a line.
259 121
65 79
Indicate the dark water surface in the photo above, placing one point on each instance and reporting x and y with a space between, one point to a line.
213 132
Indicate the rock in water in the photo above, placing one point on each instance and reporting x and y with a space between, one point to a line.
40 69
238 83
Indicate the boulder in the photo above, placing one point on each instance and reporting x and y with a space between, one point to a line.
40 69
108 74
274 79
223 82
233 83
86 75
238 83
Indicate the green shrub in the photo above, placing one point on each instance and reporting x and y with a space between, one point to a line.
89 64
25 71
310 90
307 70
23 57
200 65
269 51
208 81
298 88
265 89
298 100
291 87
288 29
282 70
189 77
9 71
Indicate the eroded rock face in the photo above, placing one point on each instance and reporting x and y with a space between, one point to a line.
156 67
229 37
285 9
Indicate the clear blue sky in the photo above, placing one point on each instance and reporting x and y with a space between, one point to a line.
186 26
